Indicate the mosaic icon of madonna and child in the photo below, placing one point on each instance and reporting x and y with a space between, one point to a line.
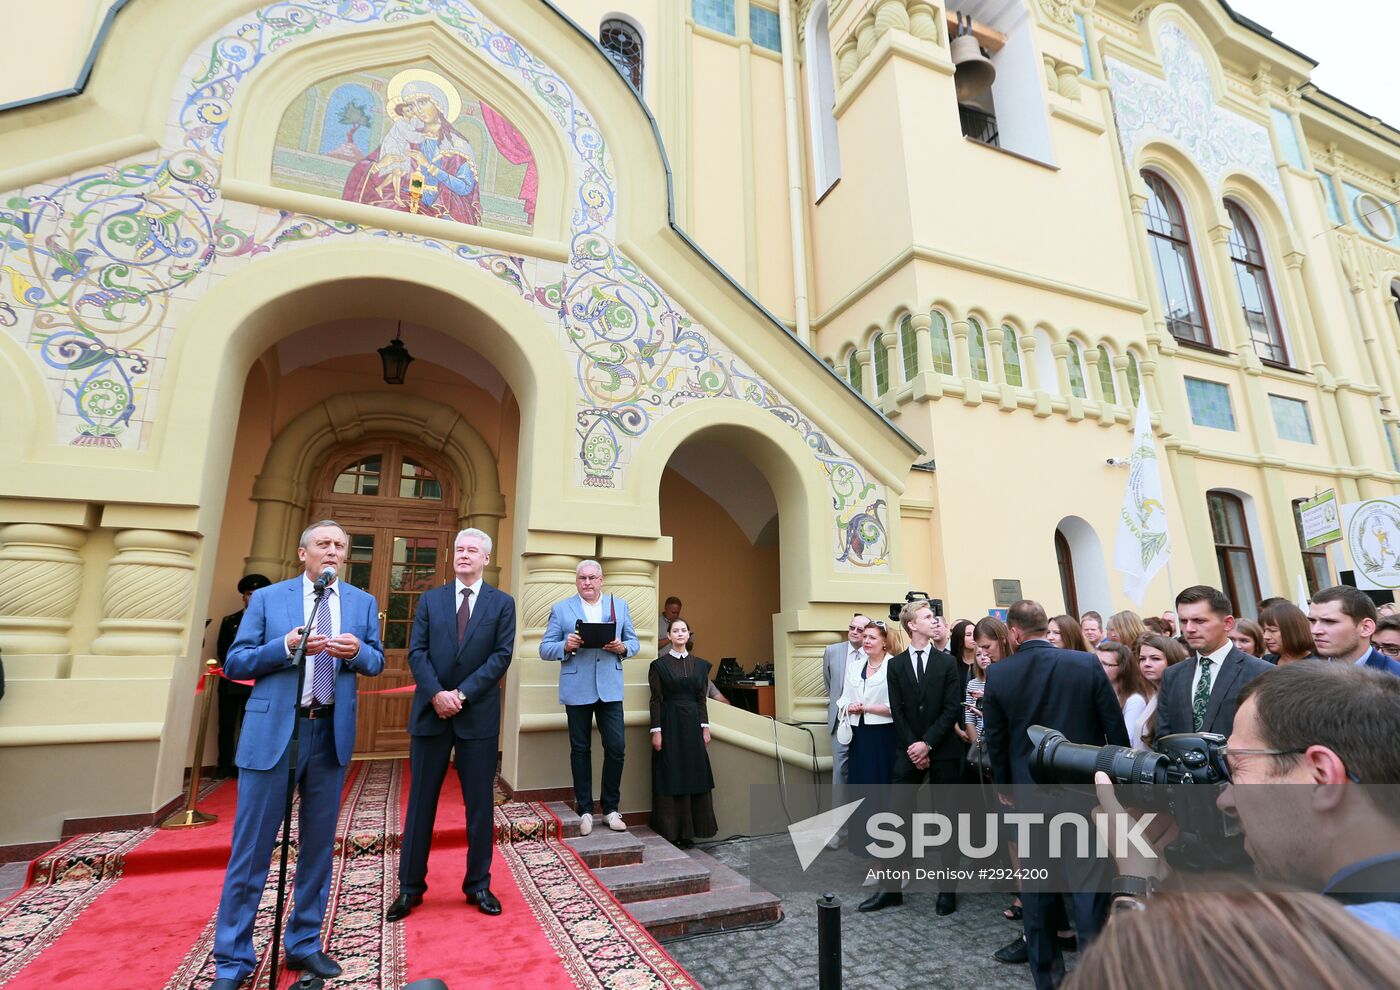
408 139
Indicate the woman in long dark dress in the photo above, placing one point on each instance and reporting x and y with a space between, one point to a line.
682 799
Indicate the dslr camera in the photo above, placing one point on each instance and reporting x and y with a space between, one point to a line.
1181 779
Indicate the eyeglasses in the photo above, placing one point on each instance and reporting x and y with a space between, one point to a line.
1228 751
1389 649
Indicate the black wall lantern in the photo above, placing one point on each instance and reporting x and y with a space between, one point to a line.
396 359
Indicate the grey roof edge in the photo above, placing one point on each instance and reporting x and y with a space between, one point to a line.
119 5
1252 25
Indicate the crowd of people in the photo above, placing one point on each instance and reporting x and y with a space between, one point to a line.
1301 696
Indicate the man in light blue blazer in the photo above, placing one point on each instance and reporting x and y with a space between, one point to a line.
344 642
590 686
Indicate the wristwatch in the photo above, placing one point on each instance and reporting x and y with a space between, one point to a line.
1132 893
461 697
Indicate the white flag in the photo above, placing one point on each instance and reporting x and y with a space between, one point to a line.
1143 543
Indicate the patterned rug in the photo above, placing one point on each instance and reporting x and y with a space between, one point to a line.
597 944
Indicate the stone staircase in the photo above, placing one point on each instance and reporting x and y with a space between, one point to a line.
670 891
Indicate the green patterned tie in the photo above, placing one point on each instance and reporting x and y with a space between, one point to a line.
1202 698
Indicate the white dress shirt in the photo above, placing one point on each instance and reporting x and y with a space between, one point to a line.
331 605
476 594
1216 659
872 690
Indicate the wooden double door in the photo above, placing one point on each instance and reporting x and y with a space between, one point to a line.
398 506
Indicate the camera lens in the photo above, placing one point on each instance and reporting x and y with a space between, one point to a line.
1056 760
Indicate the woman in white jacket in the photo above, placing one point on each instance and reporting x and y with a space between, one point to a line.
866 702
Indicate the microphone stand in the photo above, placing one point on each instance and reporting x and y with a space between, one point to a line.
299 662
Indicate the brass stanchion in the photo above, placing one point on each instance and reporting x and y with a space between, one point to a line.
189 816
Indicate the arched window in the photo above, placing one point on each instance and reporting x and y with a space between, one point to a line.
977 350
880 360
1076 370
1106 386
1176 269
821 103
623 44
853 372
939 343
1252 276
1233 551
1134 379
908 347
1011 356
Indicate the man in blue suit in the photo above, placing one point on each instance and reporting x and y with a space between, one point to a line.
1041 684
344 642
590 686
1343 619
461 644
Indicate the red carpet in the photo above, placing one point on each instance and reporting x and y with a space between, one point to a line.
135 909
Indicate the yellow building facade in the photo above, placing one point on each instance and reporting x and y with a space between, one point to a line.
750 307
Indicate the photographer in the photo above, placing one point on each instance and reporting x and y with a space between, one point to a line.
1323 728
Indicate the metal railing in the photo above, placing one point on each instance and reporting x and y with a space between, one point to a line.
978 125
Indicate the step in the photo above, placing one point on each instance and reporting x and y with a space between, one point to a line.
569 818
731 902
651 879
606 848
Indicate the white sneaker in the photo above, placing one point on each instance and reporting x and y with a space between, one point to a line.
615 822
585 824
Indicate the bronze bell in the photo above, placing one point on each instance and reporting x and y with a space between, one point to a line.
973 72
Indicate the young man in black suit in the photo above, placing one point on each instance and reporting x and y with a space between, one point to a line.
1200 694
460 647
925 702
1066 690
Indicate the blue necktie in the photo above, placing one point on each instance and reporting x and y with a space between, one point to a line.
323 674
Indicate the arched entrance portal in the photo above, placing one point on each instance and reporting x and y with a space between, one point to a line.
397 504
401 468
718 510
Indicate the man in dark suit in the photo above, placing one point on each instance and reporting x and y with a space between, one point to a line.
1200 695
1066 690
461 644
232 695
1343 620
344 642
925 702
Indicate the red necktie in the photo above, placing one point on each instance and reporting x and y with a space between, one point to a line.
464 615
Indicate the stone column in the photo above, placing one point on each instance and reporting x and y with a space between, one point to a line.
1060 349
996 365
886 342
146 600
891 15
962 353
547 578
923 22
281 503
484 511
1030 372
635 581
847 60
40 582
866 35
867 373
922 324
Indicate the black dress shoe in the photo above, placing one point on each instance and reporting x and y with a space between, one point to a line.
880 900
1015 952
402 905
946 904
485 902
226 984
316 963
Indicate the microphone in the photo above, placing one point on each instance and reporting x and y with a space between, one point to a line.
327 576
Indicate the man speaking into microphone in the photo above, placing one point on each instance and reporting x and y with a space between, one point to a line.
344 642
